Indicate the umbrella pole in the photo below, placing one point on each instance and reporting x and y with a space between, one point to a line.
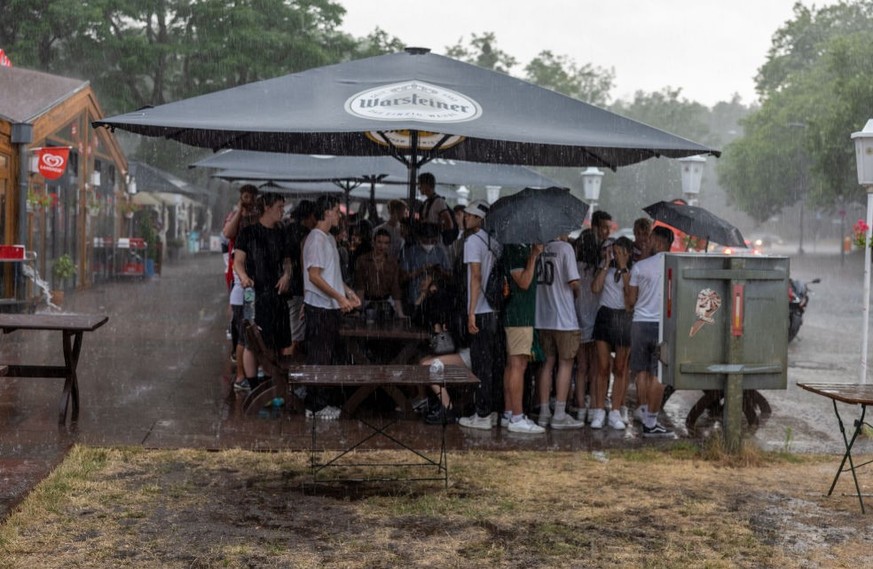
865 307
413 171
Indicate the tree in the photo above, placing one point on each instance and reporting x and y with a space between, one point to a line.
816 92
483 52
561 73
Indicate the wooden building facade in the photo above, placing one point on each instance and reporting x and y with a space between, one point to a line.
80 209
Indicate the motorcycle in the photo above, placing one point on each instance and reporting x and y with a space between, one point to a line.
798 298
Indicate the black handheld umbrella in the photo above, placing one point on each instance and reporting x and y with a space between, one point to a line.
535 216
696 221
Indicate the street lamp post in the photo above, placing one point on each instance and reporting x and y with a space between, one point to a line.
692 177
591 180
864 161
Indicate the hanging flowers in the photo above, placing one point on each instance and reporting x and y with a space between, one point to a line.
38 199
128 208
860 233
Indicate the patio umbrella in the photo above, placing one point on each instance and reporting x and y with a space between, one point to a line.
414 106
697 222
385 169
535 216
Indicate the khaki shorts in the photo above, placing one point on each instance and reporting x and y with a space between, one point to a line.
563 343
519 340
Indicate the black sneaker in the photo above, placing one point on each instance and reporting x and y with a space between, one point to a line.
658 430
441 414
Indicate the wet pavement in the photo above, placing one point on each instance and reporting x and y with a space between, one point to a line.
158 375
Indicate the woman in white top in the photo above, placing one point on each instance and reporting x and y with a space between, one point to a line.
587 304
612 331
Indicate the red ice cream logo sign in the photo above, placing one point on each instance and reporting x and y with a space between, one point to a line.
52 162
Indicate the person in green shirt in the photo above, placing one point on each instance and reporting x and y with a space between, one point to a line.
518 323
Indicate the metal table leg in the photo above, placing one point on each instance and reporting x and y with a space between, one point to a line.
859 424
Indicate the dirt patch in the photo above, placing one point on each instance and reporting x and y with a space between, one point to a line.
138 508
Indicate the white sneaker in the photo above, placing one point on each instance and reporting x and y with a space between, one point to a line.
639 415
598 418
565 422
474 421
526 426
504 420
582 414
623 412
329 413
543 419
615 421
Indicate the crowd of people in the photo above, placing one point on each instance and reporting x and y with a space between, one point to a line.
578 316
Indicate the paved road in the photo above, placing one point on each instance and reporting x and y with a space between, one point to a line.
158 375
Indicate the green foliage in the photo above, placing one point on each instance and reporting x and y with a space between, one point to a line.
561 73
64 267
817 92
483 52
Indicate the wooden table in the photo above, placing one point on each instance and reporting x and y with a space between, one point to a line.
72 328
389 377
356 332
853 394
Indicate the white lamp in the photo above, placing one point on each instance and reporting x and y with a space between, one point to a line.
864 162
131 186
692 176
95 178
592 178
463 195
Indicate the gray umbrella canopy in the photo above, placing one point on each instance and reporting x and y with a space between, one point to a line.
415 103
242 164
535 216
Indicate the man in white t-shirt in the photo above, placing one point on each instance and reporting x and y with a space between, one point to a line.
486 336
434 209
558 329
325 299
645 294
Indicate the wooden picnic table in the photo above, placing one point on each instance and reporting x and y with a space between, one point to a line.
405 336
852 394
72 328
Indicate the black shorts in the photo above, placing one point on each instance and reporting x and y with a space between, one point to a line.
613 326
644 347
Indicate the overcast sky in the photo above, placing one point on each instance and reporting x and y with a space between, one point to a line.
710 48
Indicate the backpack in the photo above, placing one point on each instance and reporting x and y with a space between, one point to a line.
449 235
497 290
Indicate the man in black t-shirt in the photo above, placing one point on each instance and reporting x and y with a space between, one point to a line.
262 261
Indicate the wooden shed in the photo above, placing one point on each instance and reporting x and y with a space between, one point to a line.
63 216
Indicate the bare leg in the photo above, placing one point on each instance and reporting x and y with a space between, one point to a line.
586 371
562 380
250 363
599 388
513 384
544 381
619 386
